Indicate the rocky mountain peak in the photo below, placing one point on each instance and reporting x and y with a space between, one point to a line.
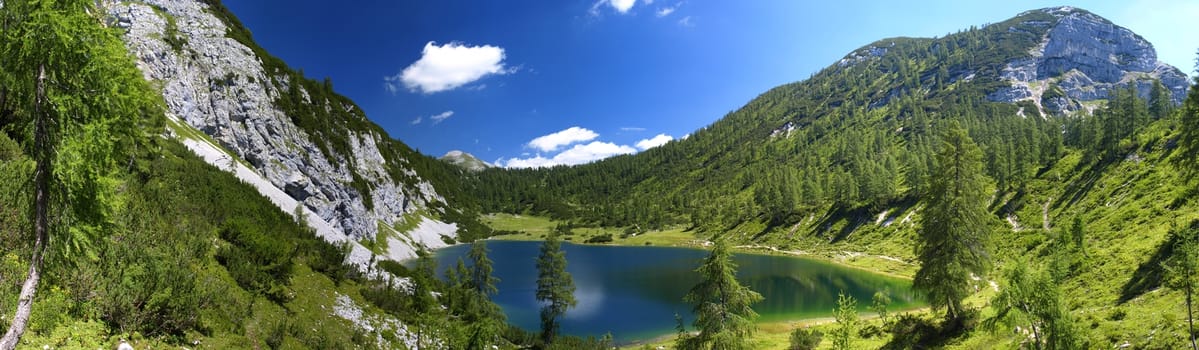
465 160
1080 58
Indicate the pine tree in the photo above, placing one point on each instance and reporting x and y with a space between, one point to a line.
1182 268
480 270
555 288
954 230
880 302
1160 103
846 315
722 306
485 317
1030 298
74 81
1188 133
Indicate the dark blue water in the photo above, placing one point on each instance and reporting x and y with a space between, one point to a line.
634 292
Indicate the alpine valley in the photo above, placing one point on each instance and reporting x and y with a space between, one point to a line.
166 182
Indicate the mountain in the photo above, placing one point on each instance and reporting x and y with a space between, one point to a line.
300 142
1075 116
249 206
856 135
465 161
1081 58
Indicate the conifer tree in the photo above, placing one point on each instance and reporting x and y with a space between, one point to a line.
1188 133
485 316
954 228
1182 269
846 315
1030 298
73 81
1160 103
555 288
722 306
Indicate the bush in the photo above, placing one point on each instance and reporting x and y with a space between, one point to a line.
604 238
805 339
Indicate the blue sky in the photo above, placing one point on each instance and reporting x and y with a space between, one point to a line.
535 82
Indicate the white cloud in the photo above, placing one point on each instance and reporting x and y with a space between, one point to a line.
417 120
579 154
621 6
686 22
565 137
665 11
632 128
440 117
655 141
447 67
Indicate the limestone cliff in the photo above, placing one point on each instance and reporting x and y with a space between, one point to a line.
1080 58
220 86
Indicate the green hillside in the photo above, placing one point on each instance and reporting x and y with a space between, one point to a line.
835 165
145 241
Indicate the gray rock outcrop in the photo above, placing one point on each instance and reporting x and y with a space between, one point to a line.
219 86
1086 56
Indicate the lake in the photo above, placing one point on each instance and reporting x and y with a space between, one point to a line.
634 292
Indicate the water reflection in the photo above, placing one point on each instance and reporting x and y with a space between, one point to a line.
634 292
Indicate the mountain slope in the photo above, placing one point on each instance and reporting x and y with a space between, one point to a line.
1072 128
295 133
853 136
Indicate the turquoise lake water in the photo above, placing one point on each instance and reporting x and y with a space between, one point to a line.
634 292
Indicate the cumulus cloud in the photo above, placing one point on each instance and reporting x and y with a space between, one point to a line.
621 6
655 141
440 117
579 154
418 120
569 136
447 67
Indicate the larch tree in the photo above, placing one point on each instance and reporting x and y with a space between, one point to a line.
85 108
954 229
1030 298
846 315
1182 268
1188 133
486 317
555 288
722 306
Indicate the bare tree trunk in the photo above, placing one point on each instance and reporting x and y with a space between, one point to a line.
1190 317
41 226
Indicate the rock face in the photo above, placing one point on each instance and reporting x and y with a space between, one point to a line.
1082 57
219 86
465 161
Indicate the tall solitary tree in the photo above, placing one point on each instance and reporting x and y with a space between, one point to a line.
1182 270
722 306
72 83
555 288
1188 130
954 230
485 316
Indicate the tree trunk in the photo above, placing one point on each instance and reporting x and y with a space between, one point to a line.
1190 318
41 226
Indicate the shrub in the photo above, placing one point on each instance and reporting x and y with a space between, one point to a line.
805 339
604 238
